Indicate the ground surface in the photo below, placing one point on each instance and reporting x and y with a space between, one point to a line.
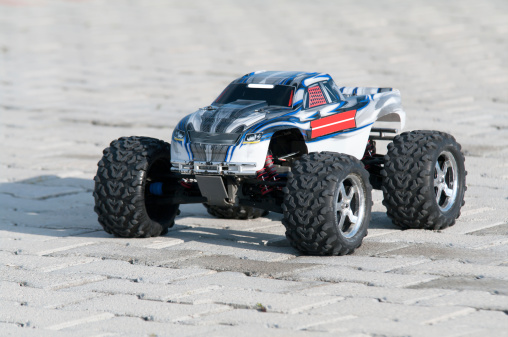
76 74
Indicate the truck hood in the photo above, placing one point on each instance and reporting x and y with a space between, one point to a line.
234 117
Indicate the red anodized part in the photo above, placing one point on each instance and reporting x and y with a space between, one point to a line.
267 173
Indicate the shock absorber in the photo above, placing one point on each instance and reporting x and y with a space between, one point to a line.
267 173
370 149
263 176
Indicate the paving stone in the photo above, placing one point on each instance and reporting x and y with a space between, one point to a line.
99 236
62 180
51 319
442 238
382 265
478 333
248 267
41 263
129 305
37 192
274 320
42 247
367 325
125 270
136 326
144 290
344 274
81 217
249 330
491 285
248 251
443 252
474 299
36 297
44 280
251 299
499 229
133 254
480 223
29 233
381 294
235 280
493 323
14 330
373 248
44 205
456 268
361 307
501 250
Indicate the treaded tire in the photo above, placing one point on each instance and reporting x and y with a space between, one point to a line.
313 200
411 180
122 200
235 212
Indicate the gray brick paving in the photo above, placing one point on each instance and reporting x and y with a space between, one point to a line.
75 75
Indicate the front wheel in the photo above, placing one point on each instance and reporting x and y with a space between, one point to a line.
424 180
123 201
327 204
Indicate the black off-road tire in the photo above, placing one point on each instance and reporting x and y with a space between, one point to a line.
313 204
122 199
235 212
412 181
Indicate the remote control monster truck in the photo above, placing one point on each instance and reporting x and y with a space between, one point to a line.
288 142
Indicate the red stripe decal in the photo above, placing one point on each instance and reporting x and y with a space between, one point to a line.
334 123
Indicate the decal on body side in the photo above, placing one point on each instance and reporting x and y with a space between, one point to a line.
335 123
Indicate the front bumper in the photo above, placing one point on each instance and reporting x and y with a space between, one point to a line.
201 167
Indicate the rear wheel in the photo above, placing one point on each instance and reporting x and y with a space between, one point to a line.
235 212
327 204
123 201
424 180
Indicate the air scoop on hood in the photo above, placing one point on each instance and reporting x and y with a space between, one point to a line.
230 117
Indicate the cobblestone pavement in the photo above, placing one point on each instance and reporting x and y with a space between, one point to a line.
75 75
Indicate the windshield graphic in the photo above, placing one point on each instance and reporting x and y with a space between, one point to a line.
281 95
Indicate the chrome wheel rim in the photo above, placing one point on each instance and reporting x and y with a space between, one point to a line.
350 205
446 181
